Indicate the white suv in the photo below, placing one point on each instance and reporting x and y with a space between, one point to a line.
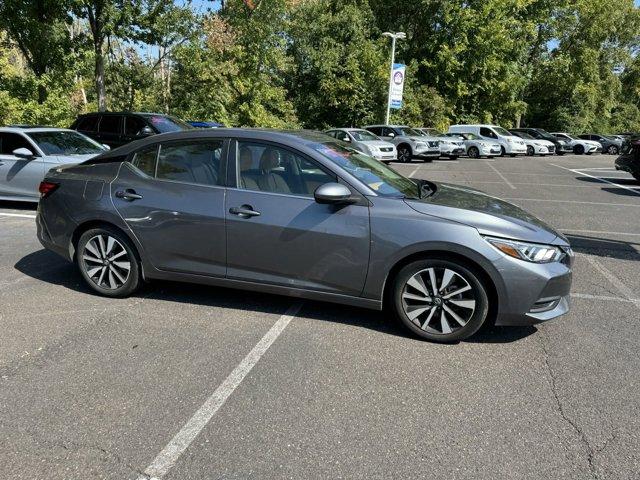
509 144
408 142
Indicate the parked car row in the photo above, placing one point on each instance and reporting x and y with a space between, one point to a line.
405 143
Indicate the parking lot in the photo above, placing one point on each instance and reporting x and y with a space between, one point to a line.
193 382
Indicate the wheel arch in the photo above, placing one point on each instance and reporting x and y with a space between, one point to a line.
466 260
89 224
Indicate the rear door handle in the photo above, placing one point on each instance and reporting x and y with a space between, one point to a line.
128 194
245 211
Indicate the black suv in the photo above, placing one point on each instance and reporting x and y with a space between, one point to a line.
562 147
629 161
117 128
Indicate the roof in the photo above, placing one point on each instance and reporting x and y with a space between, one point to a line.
30 129
292 138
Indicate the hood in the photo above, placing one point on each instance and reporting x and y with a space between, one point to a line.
490 215
376 143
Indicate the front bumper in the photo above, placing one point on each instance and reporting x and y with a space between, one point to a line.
427 152
516 149
386 156
534 293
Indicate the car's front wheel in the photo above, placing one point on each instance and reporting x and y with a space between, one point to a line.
578 149
473 152
440 300
531 151
107 262
404 154
613 150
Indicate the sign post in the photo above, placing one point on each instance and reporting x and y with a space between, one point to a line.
396 77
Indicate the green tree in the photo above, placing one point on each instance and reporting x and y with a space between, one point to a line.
341 72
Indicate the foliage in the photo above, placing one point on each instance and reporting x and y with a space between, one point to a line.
559 64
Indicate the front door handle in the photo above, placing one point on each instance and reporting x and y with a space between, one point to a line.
245 211
128 194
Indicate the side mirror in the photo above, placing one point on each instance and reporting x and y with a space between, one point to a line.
23 153
391 134
106 147
334 194
347 139
146 131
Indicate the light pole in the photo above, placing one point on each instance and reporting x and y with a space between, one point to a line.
394 36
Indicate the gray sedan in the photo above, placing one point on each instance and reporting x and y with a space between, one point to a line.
365 142
26 154
300 214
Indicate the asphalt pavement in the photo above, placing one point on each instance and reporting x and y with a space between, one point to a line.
192 382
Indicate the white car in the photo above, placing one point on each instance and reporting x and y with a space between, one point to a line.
449 147
365 142
509 143
476 147
536 146
579 145
27 154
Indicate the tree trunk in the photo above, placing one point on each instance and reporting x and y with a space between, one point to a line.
99 78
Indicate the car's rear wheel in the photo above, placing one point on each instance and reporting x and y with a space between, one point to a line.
473 152
531 151
107 262
404 154
613 150
440 300
578 149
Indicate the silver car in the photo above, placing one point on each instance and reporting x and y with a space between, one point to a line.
298 213
409 142
477 147
365 142
27 154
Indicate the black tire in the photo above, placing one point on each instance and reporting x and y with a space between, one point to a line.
503 152
404 154
613 150
578 150
473 152
110 276
437 330
531 152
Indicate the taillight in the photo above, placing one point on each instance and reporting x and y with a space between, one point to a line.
47 188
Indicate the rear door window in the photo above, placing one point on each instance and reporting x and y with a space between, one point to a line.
111 124
487 132
191 162
145 160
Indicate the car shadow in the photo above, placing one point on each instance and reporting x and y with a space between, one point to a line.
11 205
60 272
604 247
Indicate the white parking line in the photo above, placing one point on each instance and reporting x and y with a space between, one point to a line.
501 176
619 284
605 298
19 215
181 441
414 171
578 202
579 172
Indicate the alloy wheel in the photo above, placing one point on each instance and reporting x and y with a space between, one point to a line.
106 262
613 150
404 154
473 152
438 300
530 151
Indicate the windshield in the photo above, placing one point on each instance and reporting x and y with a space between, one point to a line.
410 132
65 143
501 131
363 135
524 135
166 124
377 176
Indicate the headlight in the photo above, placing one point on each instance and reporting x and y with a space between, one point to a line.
421 144
530 252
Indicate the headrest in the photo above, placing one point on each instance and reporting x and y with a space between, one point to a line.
269 159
